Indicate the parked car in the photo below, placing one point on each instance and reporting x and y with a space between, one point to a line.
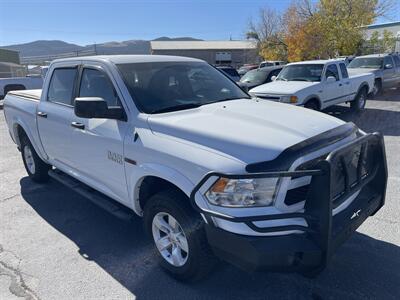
19 83
230 72
210 170
385 67
244 69
271 63
260 76
317 85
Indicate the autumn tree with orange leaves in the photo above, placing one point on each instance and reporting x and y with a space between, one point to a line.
313 30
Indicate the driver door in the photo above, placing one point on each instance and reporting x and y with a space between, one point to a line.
333 92
98 144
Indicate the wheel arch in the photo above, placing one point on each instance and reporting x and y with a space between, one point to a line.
313 98
20 129
155 178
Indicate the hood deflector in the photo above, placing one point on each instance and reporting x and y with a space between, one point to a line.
315 143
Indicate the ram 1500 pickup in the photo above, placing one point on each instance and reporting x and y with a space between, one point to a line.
212 171
317 85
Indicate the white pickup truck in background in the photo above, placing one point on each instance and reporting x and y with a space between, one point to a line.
262 185
317 85
19 83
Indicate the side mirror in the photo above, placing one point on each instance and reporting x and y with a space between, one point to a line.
388 66
273 78
94 107
330 79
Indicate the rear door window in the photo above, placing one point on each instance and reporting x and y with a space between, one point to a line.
62 84
343 70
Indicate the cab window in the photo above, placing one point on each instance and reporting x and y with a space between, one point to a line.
332 70
95 83
343 70
61 87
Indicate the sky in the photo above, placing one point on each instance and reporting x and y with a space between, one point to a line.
95 21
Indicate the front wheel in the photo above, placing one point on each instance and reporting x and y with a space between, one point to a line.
359 102
179 236
36 168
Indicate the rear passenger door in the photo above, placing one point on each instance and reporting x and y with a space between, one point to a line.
98 144
347 91
54 115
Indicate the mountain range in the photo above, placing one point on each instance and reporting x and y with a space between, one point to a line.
54 47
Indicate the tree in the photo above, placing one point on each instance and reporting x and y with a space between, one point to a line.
269 35
323 29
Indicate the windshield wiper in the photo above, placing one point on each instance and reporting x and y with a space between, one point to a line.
176 107
283 79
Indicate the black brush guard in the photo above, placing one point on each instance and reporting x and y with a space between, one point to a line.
359 166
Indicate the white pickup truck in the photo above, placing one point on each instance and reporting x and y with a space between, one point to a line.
19 83
212 171
317 85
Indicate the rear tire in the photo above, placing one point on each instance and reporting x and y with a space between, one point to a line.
358 104
187 234
36 168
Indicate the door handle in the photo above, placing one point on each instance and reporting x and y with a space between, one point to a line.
41 114
78 125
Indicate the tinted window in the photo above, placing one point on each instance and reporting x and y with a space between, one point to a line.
343 69
387 61
230 71
61 86
366 62
168 86
95 83
397 60
332 70
257 76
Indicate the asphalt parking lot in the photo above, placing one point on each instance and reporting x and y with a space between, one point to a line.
55 244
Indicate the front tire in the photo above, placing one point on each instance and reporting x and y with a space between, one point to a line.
36 168
179 236
358 104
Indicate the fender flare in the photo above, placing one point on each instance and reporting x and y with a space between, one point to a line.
18 122
173 176
363 85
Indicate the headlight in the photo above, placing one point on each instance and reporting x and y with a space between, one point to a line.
243 192
289 99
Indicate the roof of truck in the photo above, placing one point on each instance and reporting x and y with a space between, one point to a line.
126 59
318 61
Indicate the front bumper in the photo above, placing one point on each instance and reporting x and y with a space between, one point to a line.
310 250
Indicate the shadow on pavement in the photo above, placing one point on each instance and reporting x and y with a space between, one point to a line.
363 268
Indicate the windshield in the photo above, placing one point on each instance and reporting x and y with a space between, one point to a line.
301 72
167 86
366 62
254 76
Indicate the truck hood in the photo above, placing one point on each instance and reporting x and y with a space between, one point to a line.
282 87
245 130
358 71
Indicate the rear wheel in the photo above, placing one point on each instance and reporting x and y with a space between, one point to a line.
179 236
36 168
359 102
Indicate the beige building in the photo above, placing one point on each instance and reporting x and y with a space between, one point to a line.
234 53
393 27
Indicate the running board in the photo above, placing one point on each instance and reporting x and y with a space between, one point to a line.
111 206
